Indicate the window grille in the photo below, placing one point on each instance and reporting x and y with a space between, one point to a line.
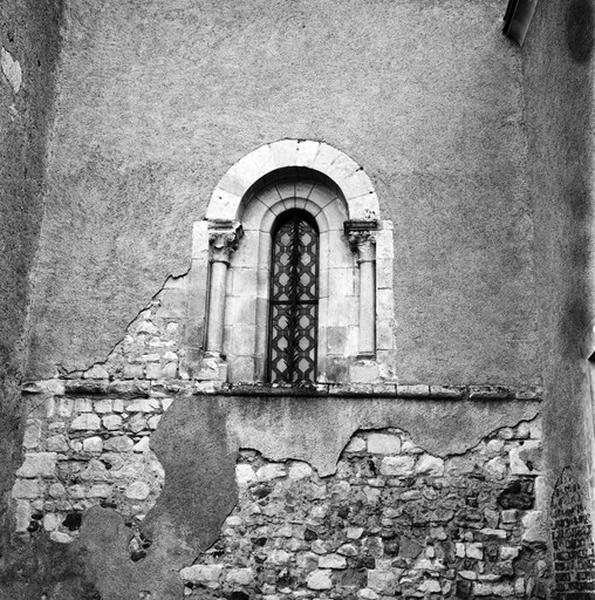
293 310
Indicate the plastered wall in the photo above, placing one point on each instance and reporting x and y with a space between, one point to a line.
558 87
157 102
29 44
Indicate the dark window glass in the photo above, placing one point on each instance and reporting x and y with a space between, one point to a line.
293 311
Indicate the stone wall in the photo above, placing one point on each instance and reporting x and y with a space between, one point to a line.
393 521
391 518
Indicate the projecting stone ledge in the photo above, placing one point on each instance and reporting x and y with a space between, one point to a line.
144 388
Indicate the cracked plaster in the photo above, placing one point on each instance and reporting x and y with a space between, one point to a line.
198 440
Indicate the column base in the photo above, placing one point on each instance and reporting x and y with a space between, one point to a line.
212 367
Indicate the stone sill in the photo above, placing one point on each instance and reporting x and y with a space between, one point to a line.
144 388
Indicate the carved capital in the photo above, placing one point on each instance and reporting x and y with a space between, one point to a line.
224 238
362 238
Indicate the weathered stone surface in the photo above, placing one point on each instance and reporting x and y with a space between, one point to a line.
243 576
57 443
60 537
299 470
39 464
32 434
26 488
382 443
398 466
332 561
112 422
202 573
86 421
93 444
429 465
535 527
319 580
138 490
120 443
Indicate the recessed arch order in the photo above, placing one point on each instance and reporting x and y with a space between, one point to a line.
226 201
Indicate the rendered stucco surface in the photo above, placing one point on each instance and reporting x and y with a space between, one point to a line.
558 90
29 43
157 102
197 442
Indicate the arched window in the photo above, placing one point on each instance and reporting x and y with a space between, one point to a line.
274 210
293 299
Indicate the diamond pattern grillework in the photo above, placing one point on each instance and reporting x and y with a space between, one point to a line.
294 300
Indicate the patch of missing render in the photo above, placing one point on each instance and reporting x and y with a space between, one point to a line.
572 540
11 69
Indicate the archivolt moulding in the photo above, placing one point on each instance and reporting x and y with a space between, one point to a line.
357 189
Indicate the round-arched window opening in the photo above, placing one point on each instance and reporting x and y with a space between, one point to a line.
293 299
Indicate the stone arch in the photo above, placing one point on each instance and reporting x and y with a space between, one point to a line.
234 235
351 179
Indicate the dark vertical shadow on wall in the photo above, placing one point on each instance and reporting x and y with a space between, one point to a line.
557 60
30 32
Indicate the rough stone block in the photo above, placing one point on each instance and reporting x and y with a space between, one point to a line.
138 490
384 443
430 465
271 471
64 407
501 590
38 464
145 405
534 526
32 434
26 489
356 444
299 470
57 490
244 474
153 370
82 405
332 561
112 422
102 406
383 582
474 550
100 490
60 537
137 423
202 573
133 371
22 515
243 576
120 443
51 521
496 467
397 466
319 579
86 422
95 471
93 444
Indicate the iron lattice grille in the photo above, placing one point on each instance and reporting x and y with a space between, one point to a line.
293 316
